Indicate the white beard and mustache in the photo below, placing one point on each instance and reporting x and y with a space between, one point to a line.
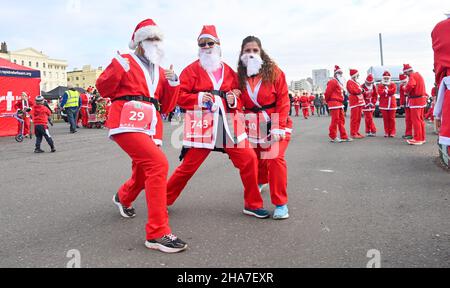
386 82
211 59
341 79
253 63
153 51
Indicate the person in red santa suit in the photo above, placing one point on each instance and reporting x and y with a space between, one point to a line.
356 104
85 107
140 91
370 95
334 96
266 96
417 101
304 100
311 104
430 113
405 104
441 47
297 105
388 104
209 88
26 106
442 112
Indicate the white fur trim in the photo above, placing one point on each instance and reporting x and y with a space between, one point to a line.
145 33
444 140
235 102
209 36
200 99
278 132
123 63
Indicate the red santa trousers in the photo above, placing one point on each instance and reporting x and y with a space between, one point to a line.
26 127
274 171
390 126
244 159
297 111
305 112
150 170
84 116
337 122
408 122
418 124
313 108
370 123
355 120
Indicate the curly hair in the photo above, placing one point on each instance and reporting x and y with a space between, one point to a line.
268 69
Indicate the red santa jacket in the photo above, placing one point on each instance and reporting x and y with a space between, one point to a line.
370 98
441 47
297 101
120 79
304 100
40 115
387 96
266 94
356 98
403 97
24 105
334 95
416 91
195 81
311 100
85 100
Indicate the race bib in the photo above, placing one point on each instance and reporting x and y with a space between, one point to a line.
257 128
138 115
199 127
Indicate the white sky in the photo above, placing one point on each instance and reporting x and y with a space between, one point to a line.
299 35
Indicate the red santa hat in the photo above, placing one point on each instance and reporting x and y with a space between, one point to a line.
387 74
370 79
407 68
145 30
337 69
403 77
354 73
209 31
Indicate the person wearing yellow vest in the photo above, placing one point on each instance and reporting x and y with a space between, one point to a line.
71 102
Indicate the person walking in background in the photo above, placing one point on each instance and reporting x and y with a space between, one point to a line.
305 102
388 104
71 102
370 95
41 115
317 105
297 105
311 104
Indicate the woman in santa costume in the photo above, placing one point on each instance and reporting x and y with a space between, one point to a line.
404 102
209 92
334 96
26 106
388 104
370 95
297 105
417 101
140 90
265 98
304 100
356 104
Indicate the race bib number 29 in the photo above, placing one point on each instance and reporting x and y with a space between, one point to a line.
137 115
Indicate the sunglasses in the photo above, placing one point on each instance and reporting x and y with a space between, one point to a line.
255 51
210 44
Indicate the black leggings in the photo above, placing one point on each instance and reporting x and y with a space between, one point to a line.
41 132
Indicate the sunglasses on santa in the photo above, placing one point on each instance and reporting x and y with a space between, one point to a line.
209 44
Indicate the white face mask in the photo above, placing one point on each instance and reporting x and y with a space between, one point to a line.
253 63
211 59
153 51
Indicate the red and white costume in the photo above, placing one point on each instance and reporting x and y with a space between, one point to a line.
85 107
388 106
417 101
430 113
297 106
441 47
356 104
311 104
25 105
442 111
304 100
136 126
405 103
272 168
195 81
334 96
370 99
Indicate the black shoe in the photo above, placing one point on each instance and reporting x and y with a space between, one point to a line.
53 150
39 151
167 244
73 132
125 212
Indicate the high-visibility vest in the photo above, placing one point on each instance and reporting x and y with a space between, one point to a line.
73 99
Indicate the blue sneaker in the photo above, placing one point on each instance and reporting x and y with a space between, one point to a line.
259 213
281 213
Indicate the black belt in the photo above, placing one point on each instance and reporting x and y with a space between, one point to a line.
263 108
415 97
154 101
221 94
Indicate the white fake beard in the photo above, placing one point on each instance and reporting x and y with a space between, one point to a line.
153 51
369 86
386 81
253 63
211 59
341 80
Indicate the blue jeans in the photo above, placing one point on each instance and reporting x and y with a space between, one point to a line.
72 116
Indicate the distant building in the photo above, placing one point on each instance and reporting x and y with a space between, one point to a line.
53 71
321 78
302 85
85 77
